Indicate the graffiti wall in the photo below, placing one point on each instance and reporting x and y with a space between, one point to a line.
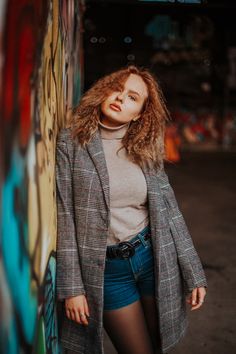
40 79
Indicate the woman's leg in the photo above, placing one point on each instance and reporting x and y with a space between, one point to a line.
151 316
128 330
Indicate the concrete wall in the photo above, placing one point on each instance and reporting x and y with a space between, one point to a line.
41 69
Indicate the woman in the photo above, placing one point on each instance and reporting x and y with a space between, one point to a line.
125 259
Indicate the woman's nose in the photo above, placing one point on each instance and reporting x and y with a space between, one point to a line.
120 96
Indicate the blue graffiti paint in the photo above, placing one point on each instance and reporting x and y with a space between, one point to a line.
49 310
15 248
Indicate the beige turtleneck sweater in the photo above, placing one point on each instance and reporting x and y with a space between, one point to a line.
128 189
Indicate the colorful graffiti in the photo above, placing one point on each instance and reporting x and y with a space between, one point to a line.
41 75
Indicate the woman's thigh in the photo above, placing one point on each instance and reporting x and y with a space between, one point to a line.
127 329
151 317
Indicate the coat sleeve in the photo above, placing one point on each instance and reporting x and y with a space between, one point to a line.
189 261
68 274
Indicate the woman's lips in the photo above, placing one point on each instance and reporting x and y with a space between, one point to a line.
115 107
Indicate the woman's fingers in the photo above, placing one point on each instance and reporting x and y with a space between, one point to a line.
72 315
77 317
77 309
201 295
194 297
86 309
83 311
197 298
68 314
83 317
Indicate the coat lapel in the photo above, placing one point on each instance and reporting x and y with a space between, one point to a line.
96 152
155 200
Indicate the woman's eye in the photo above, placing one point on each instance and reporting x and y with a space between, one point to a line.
132 98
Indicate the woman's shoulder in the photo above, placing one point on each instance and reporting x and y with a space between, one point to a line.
65 134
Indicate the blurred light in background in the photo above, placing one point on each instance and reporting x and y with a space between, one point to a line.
127 39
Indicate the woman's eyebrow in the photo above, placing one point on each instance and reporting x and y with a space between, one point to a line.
136 93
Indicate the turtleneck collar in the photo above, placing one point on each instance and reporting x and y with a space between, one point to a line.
110 133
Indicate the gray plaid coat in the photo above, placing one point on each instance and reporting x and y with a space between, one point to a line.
83 221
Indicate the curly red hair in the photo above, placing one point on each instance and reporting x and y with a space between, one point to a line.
144 139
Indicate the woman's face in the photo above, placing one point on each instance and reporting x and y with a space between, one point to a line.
121 107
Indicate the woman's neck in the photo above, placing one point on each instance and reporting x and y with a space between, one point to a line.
110 133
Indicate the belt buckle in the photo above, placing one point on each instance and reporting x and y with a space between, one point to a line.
129 251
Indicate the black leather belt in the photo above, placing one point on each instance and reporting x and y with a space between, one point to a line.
125 249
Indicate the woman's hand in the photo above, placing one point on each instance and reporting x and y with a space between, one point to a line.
77 309
196 298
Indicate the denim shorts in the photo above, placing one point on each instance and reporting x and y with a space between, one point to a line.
126 280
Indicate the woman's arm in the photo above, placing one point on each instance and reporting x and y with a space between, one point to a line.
190 264
68 275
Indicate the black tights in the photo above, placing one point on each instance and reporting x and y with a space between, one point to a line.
133 329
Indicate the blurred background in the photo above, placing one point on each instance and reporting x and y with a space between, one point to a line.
50 53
